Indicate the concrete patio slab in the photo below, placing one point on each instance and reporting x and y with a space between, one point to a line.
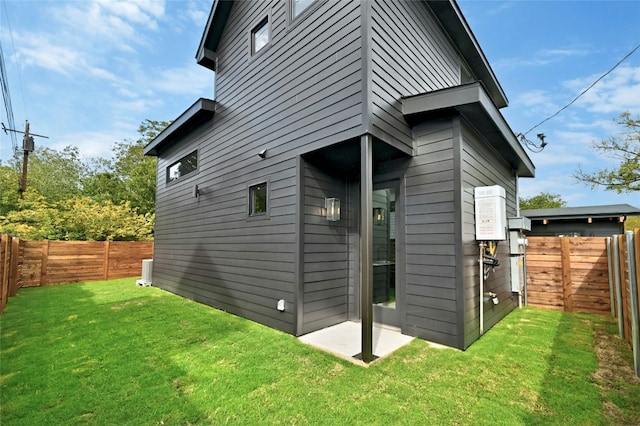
344 340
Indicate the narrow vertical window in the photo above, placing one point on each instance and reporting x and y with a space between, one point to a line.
260 36
258 199
299 6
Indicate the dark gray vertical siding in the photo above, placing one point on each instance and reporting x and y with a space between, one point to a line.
325 252
431 306
483 167
410 55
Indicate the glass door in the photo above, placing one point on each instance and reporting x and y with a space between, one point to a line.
384 257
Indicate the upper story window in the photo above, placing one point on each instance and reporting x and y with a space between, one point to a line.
260 36
299 6
182 167
465 75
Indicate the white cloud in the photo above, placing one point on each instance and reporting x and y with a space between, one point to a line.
534 98
189 79
617 92
139 12
540 58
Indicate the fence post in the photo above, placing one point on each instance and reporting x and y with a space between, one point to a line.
565 255
15 260
612 288
633 290
43 262
105 264
4 277
618 285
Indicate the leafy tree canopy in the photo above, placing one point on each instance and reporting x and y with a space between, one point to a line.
544 200
56 175
77 218
71 199
625 150
129 176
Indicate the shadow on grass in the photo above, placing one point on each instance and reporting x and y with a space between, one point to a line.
94 353
567 394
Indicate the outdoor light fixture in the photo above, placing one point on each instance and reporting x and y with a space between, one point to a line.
332 207
379 216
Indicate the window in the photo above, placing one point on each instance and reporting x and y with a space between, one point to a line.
465 75
299 6
260 36
182 167
258 199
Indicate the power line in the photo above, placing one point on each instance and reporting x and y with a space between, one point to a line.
6 96
585 90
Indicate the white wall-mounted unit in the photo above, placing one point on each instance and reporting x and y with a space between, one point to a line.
491 213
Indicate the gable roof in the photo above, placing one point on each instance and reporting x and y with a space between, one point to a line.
447 12
456 26
612 210
208 48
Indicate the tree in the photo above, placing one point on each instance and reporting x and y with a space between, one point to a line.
9 185
77 218
129 176
632 223
56 175
625 149
544 200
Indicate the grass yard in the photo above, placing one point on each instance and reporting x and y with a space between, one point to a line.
114 353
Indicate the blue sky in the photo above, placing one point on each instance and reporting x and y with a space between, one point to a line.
87 73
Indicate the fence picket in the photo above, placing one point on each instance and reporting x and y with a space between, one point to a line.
40 263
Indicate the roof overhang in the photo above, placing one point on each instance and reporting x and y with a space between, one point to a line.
455 25
596 212
200 111
474 104
208 48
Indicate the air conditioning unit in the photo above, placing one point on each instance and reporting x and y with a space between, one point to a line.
147 273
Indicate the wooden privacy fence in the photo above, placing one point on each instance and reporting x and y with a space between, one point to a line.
588 274
624 260
41 263
569 274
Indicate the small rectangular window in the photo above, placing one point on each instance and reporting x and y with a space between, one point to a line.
182 167
465 75
260 36
258 199
299 6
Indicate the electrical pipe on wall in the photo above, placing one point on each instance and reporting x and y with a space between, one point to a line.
481 294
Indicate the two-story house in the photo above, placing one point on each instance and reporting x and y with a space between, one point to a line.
333 176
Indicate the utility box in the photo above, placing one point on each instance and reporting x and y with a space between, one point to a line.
491 213
147 273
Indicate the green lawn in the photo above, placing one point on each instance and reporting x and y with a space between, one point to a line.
115 353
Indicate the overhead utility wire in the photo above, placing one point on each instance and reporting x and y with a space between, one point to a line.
15 59
585 90
6 96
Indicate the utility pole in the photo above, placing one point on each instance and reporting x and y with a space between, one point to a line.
27 147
